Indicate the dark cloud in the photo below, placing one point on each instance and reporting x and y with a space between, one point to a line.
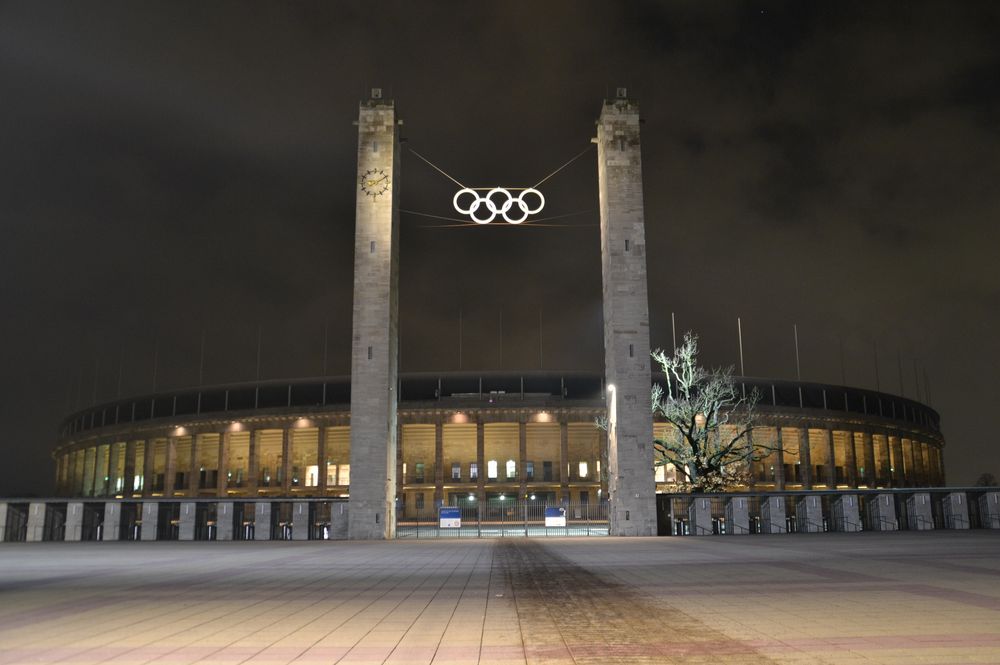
180 170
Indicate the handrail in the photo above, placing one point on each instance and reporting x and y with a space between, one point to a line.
803 520
956 522
921 523
855 525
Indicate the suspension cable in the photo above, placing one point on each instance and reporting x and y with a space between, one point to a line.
436 168
576 157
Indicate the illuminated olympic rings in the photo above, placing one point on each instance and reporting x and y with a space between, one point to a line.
497 201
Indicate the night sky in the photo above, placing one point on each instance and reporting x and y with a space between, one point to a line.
179 171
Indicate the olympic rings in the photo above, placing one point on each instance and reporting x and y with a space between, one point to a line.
489 203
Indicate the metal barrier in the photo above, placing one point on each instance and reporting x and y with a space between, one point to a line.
508 519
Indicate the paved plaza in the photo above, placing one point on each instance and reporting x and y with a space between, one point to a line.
816 598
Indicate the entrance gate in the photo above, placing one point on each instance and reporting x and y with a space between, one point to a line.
508 519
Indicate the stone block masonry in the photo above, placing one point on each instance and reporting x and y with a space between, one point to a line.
631 486
374 355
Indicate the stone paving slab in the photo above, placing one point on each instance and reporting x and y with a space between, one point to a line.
807 598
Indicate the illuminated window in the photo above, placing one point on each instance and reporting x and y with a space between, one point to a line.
661 474
344 473
473 471
511 469
491 470
312 475
583 469
529 470
418 472
456 471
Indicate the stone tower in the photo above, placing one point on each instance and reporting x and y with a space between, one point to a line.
374 354
631 487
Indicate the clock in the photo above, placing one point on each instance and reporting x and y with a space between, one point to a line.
375 182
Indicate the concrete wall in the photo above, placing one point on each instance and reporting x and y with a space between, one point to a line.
846 516
809 514
187 521
772 515
224 520
919 515
737 516
955 507
262 520
882 513
150 517
700 516
74 521
989 510
112 520
36 522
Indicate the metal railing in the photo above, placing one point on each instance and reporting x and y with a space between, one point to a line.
508 519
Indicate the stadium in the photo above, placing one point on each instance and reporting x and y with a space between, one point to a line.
464 438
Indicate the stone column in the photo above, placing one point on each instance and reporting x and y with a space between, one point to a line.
779 460
850 461
564 462
870 471
194 469
481 459
631 488
438 464
108 479
170 468
918 455
375 348
522 446
222 485
805 459
148 455
321 459
72 488
128 488
252 474
286 460
831 455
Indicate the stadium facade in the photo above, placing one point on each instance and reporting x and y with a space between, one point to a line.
466 436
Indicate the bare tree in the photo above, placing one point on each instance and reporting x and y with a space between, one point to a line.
986 480
710 443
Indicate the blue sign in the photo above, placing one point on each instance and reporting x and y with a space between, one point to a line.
555 516
450 517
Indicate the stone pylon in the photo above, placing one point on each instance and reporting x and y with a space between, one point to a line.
632 490
374 355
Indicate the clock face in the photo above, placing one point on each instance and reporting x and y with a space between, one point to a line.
375 182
